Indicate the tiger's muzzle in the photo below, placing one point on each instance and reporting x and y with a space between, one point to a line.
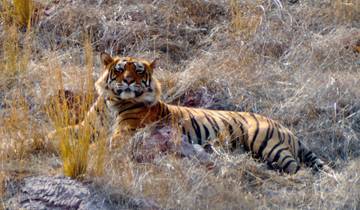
125 91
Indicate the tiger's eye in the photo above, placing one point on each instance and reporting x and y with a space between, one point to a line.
139 68
119 67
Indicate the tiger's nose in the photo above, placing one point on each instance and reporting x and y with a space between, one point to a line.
128 80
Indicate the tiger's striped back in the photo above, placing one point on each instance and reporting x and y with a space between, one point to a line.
265 138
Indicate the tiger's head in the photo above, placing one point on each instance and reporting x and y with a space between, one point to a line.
129 79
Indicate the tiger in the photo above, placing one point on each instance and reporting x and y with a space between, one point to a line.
128 90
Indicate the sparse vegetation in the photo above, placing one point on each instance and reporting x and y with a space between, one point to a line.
294 62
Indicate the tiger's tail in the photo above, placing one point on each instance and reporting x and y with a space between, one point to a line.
310 159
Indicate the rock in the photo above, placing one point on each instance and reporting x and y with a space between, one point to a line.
45 192
54 193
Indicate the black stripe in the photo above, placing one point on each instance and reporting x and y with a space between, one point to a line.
196 127
183 131
125 104
233 139
272 150
161 111
189 138
214 126
312 163
281 139
222 116
278 132
112 76
240 125
307 156
231 131
286 157
136 106
255 134
145 80
129 118
237 137
289 139
166 110
301 151
287 164
292 140
313 158
207 133
272 130
242 117
268 136
277 156
115 93
235 121
282 136
224 120
97 110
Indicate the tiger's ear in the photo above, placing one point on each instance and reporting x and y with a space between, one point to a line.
153 64
106 59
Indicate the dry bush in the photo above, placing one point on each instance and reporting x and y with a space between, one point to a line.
68 109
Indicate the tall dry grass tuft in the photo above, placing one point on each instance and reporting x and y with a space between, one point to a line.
16 47
18 12
67 109
73 145
23 12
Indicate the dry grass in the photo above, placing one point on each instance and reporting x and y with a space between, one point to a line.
246 17
23 12
296 63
